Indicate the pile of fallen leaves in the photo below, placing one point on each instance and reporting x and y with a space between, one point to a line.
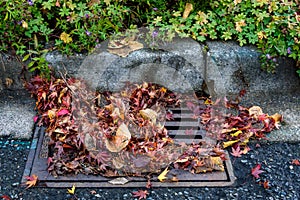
116 134
122 134
233 124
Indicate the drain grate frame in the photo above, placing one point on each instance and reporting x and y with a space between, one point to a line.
37 164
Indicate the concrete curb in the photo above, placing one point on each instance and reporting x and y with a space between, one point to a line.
226 68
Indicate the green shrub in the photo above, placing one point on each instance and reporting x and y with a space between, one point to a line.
32 27
271 25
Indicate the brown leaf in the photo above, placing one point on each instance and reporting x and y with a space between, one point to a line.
255 111
124 47
31 180
266 184
149 114
8 82
188 9
120 140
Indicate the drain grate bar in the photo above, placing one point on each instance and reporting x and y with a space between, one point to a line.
183 128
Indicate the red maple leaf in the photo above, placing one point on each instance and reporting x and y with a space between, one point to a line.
296 162
236 152
63 112
266 184
169 116
255 171
5 197
141 194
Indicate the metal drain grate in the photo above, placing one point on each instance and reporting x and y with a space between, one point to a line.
183 120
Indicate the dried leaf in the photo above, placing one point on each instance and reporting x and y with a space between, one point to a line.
72 190
119 181
120 140
229 143
187 10
266 184
235 134
8 82
35 118
124 47
182 160
51 114
93 192
5 197
141 194
296 162
162 176
256 171
255 111
63 112
237 151
31 180
149 114
215 163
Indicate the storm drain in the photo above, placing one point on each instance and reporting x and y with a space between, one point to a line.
182 122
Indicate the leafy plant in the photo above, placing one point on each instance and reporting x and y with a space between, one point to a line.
79 26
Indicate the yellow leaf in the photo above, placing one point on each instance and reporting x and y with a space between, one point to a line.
163 90
236 133
245 141
31 180
261 35
72 190
277 117
24 24
208 102
188 9
162 176
229 143
107 2
229 130
65 37
51 114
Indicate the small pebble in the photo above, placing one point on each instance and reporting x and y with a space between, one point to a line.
15 184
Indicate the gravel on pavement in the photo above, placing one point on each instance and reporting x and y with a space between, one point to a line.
275 158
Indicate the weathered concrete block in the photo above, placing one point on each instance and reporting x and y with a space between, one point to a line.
10 72
231 68
177 66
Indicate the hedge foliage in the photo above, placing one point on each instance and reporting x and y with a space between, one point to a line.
34 27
